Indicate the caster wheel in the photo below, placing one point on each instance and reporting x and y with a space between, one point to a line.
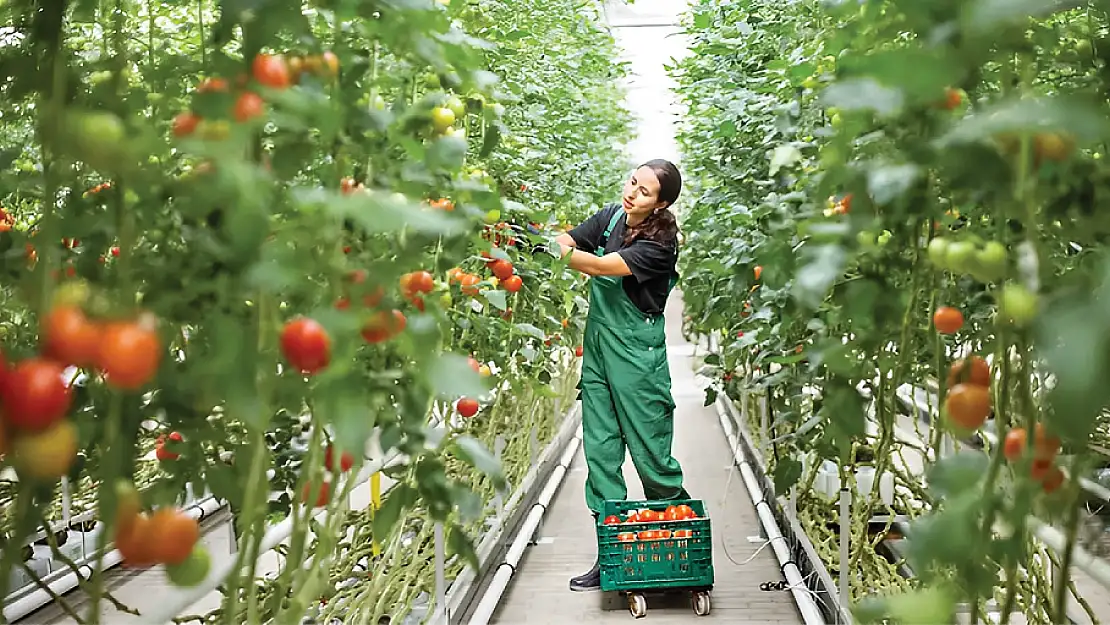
700 602
637 605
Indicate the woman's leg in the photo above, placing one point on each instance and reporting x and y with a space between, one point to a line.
602 444
641 381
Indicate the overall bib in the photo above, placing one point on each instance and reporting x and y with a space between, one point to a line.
626 395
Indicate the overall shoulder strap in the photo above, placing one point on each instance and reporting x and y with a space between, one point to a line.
609 229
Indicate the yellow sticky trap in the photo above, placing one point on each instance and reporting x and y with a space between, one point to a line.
376 503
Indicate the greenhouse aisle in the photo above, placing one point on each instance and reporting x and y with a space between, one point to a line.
649 38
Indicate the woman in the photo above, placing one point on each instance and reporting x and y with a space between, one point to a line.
630 251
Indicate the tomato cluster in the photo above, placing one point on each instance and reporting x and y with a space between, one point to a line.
1045 447
167 536
167 455
269 71
680 512
36 394
968 402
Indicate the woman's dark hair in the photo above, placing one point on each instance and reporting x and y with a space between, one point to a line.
660 226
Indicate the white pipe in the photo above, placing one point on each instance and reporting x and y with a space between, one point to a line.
39 597
803 598
505 570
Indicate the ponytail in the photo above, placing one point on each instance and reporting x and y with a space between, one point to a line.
660 226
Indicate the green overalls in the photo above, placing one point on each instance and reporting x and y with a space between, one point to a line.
626 395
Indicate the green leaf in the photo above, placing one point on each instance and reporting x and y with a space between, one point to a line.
787 473
397 500
531 330
458 543
710 396
474 453
863 94
784 156
1082 120
713 359
450 376
955 475
497 298
886 183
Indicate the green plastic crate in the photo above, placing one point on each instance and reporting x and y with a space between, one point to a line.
660 563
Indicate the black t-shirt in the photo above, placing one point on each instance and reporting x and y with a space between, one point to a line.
652 263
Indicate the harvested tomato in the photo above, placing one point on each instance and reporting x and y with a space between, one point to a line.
248 106
306 345
69 336
685 512
647 535
1045 446
971 370
968 406
322 498
662 534
948 320
513 284
649 516
683 533
45 455
346 460
612 519
271 71
467 407
129 354
626 537
501 268
185 124
174 534
36 395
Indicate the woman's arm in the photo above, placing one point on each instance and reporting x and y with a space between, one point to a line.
610 264
566 239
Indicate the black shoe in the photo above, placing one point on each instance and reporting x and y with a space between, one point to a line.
590 580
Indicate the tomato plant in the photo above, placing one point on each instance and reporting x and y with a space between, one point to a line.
226 240
908 205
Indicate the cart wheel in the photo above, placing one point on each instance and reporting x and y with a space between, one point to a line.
700 602
637 605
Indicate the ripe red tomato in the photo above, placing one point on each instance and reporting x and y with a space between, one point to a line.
322 498
948 320
382 326
501 268
612 519
647 535
626 537
512 284
37 396
69 336
185 124
160 450
648 516
271 71
683 533
248 106
578 351
1053 479
306 345
968 406
417 282
129 354
685 512
467 407
346 460
972 370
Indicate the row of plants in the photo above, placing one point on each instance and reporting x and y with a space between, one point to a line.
283 230
901 195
